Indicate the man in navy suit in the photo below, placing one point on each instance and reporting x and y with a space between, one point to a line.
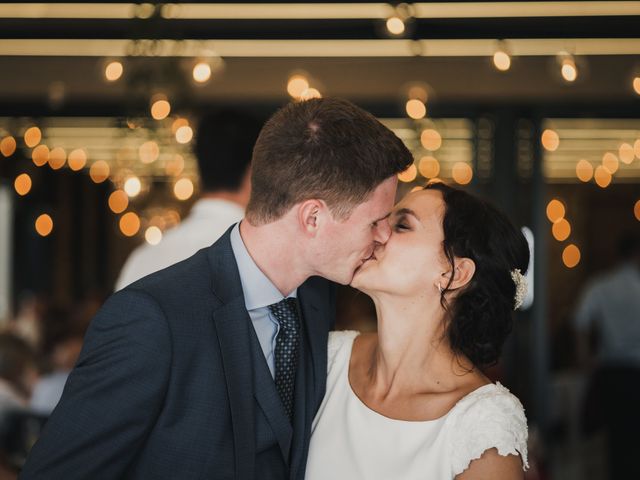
215 366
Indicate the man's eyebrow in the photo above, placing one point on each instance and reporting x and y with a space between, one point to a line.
382 218
407 211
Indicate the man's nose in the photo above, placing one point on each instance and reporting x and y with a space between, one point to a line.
382 232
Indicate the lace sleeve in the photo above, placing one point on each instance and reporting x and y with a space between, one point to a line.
489 418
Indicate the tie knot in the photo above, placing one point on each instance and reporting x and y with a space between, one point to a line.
286 311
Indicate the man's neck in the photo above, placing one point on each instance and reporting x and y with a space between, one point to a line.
274 250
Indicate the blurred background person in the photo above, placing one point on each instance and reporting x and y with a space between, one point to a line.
62 336
608 324
223 150
18 374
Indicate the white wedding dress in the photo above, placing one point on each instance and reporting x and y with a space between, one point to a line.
351 441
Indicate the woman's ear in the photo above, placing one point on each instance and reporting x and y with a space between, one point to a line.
462 273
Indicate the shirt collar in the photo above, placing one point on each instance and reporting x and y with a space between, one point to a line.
258 290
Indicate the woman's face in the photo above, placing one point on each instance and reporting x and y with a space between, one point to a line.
412 261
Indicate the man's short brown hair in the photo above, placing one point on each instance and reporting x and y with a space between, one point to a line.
325 148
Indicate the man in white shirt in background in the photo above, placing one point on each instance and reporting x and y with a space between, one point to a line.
224 144
610 308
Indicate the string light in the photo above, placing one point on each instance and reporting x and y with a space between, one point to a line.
44 225
462 173
113 71
555 210
636 85
32 137
584 170
568 68
409 175
57 158
22 184
183 189
626 153
429 167
160 107
118 201
40 155
153 235
184 134
415 108
8 146
77 159
550 140
99 171
132 186
201 72
395 25
431 139
296 85
129 224
571 256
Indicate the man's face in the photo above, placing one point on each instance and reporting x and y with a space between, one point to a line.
347 244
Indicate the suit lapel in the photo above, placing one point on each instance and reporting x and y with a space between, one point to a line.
233 325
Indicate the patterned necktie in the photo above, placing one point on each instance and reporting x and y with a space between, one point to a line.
286 354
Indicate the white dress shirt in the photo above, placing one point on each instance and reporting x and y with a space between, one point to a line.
612 304
259 292
208 220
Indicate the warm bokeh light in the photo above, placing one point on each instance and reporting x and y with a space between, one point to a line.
636 148
409 175
571 256
626 153
610 162
636 210
44 225
129 224
429 167
32 137
149 152
77 159
113 71
118 201
462 173
153 235
57 158
569 70
160 109
636 85
183 189
310 93
602 176
184 134
175 166
22 184
177 123
555 210
99 171
40 155
201 72
502 61
132 186
296 85
550 140
8 146
395 25
561 229
416 109
584 170
431 139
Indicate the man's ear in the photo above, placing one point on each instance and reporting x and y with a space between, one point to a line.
309 213
463 272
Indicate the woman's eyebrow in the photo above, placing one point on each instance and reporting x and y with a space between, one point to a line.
407 211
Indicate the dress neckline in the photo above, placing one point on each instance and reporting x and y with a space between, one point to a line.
398 421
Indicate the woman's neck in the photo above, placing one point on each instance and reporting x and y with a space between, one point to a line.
412 354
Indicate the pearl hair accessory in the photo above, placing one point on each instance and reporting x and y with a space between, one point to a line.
521 287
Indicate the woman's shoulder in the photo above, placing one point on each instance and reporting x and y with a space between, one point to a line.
489 417
340 340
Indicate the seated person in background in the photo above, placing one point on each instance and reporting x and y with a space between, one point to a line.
411 401
62 335
18 373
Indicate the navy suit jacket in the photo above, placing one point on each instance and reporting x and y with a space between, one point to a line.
172 384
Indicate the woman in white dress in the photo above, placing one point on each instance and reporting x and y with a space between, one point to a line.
411 401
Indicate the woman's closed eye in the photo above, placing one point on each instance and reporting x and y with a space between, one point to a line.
401 226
